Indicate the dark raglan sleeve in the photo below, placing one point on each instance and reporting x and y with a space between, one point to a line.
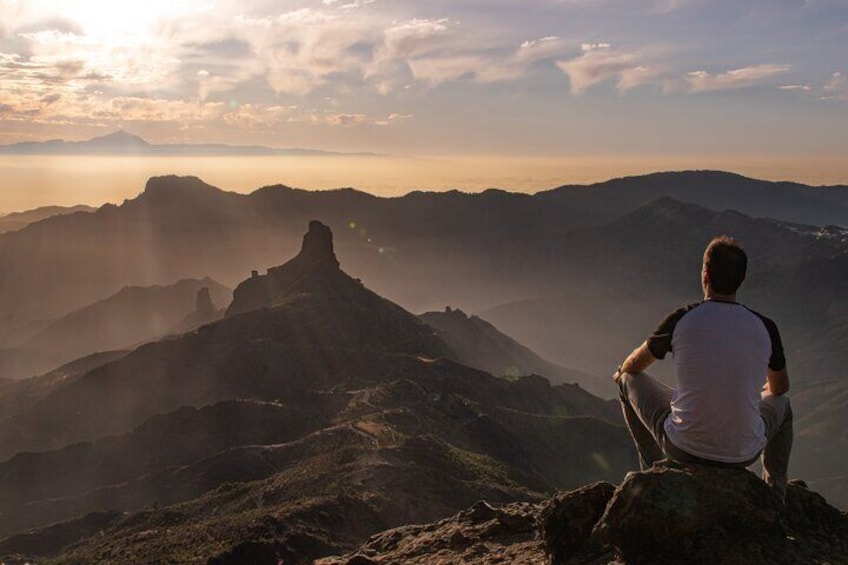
777 361
659 342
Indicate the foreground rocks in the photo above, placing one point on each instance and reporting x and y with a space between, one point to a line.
483 535
671 514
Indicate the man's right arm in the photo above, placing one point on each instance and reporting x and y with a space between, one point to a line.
777 379
777 382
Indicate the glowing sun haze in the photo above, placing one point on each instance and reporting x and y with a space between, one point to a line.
606 78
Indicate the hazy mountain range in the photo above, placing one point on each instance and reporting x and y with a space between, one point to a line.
123 143
128 318
337 401
18 220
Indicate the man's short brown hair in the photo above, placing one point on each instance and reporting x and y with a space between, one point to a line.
725 262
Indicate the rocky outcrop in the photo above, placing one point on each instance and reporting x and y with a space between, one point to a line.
203 306
316 263
672 514
696 514
653 516
567 521
483 535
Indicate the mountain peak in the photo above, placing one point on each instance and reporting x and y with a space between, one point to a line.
318 244
171 185
314 269
118 138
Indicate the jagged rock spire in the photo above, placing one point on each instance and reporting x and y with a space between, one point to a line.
315 267
203 302
318 244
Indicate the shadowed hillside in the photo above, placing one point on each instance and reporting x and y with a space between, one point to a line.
129 317
334 401
479 344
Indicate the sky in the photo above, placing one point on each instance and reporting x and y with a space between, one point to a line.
606 78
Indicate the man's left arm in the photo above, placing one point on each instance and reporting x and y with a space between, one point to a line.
657 346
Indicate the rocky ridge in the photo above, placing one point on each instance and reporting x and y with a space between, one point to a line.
672 514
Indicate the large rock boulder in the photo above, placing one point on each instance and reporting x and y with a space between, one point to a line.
566 523
677 513
694 514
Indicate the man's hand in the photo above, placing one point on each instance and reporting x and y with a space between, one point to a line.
617 375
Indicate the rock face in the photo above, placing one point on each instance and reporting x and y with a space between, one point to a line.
693 514
669 515
313 264
676 513
567 521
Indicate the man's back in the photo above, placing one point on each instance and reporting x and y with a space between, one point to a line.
721 355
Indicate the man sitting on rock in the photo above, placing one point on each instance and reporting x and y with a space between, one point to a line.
720 413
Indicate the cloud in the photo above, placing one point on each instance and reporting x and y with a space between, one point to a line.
804 87
348 5
600 62
436 70
702 81
836 88
542 49
348 120
419 37
593 46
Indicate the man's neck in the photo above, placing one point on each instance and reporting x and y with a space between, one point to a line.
716 297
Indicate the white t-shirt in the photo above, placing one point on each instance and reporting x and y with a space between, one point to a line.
722 351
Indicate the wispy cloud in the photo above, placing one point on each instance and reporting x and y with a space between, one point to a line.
702 81
599 62
836 88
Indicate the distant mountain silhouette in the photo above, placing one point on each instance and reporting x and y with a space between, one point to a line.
123 143
477 343
184 228
352 414
18 220
717 190
129 317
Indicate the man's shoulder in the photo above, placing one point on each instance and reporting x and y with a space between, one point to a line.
676 315
769 323
659 342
